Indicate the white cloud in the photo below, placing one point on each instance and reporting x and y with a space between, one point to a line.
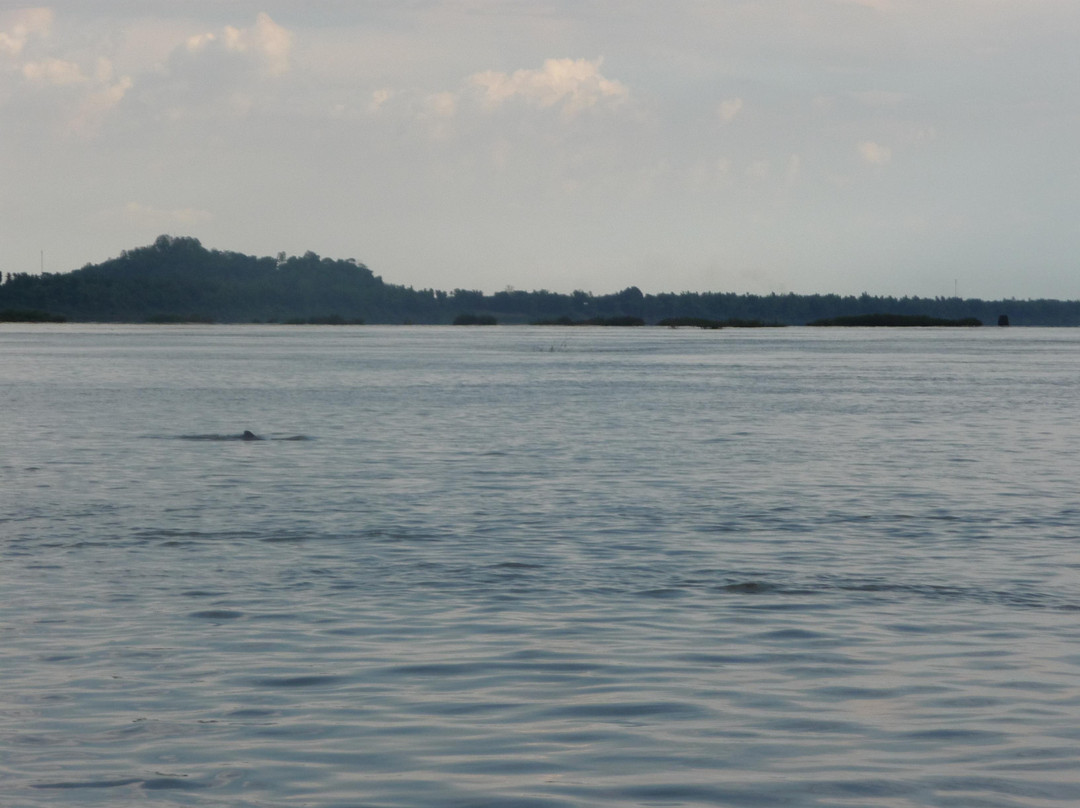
63 73
730 108
199 42
271 41
267 42
57 72
21 25
442 105
874 153
437 112
576 84
224 72
658 141
104 70
79 98
379 98
565 85
96 105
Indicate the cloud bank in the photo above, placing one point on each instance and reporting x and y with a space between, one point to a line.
846 145
572 84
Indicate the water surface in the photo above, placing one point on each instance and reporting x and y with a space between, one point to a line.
539 567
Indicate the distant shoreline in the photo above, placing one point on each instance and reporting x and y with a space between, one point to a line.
514 325
177 280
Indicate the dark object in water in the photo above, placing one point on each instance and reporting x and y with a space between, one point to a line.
246 435
1003 320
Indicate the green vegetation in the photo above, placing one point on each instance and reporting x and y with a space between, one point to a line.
704 322
618 320
164 319
896 321
30 316
475 319
176 279
326 319
690 322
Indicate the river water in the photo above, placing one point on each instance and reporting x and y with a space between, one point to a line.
523 566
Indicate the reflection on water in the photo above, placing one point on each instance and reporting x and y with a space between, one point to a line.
651 567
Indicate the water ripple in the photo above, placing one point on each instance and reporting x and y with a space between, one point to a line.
782 569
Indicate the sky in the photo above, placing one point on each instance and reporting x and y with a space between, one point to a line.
894 147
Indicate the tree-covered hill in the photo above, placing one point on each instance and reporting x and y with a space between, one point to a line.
177 279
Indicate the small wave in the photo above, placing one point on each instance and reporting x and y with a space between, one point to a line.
170 783
312 680
150 784
252 712
173 537
661 593
217 614
626 710
1018 598
750 587
127 781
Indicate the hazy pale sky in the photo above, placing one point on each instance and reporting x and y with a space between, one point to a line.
886 146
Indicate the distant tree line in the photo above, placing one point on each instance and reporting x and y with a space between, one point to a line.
896 320
176 279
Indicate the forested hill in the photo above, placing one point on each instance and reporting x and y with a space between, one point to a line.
177 279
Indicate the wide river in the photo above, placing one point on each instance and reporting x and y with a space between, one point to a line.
539 567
